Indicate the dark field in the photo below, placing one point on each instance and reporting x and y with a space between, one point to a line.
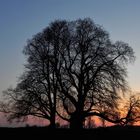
96 133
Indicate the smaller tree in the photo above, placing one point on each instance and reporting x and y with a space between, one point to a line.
132 109
127 112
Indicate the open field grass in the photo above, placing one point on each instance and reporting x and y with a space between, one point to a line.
47 134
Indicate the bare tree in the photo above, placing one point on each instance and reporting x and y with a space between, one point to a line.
36 91
72 69
93 72
131 110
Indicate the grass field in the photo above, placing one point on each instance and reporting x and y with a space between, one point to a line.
44 133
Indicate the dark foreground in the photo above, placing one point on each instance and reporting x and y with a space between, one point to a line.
47 134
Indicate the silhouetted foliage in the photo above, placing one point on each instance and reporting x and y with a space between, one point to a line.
73 69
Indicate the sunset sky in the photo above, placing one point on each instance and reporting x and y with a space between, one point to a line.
20 19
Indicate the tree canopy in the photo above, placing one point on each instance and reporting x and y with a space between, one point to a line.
73 71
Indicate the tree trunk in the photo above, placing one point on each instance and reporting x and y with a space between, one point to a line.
53 113
52 123
52 119
76 122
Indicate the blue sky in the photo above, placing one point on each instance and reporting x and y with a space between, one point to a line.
21 19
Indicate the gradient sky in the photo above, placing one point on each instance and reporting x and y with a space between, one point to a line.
20 19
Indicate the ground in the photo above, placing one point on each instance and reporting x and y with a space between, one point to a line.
44 133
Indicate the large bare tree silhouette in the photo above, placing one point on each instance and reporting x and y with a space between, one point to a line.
73 69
